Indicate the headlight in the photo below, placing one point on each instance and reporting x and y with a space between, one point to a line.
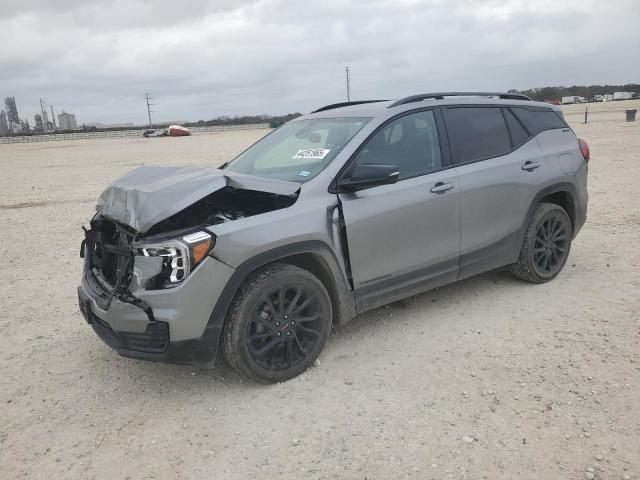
179 257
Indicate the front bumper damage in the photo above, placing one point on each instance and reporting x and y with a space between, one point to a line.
174 325
177 324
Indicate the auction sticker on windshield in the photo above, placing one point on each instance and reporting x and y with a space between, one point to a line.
311 153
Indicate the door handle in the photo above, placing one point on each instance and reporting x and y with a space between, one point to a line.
530 166
441 187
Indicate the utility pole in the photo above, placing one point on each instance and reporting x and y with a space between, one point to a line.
146 95
348 84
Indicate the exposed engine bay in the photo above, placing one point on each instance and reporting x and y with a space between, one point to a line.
149 232
165 198
126 261
225 205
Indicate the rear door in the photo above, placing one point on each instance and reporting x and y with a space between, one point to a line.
404 237
501 168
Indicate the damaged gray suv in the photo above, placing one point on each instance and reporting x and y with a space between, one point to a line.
351 207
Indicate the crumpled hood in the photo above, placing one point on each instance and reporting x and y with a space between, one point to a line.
150 194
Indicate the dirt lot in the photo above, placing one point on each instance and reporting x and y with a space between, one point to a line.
488 378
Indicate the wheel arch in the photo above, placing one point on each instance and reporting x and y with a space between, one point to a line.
562 194
565 200
313 256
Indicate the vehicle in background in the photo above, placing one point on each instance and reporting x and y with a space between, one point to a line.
155 132
623 95
178 131
573 99
171 131
351 207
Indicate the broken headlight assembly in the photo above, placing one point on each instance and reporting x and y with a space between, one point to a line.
178 257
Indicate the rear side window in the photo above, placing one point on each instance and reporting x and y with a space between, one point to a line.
538 121
518 134
478 132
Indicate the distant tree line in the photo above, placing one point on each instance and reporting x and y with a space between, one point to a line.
586 91
243 120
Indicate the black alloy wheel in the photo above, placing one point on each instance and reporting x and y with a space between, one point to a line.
285 327
550 246
546 244
277 324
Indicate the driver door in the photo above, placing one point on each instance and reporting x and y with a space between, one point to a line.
404 238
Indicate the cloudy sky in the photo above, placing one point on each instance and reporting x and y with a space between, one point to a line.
201 59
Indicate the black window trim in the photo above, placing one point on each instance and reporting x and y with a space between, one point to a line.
506 124
526 130
446 158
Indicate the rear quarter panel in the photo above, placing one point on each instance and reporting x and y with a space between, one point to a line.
563 152
561 146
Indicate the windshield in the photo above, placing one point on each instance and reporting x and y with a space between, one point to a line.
298 150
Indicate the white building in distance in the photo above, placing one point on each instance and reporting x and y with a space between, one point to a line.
67 121
4 126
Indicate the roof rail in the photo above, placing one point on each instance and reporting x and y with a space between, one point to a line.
345 104
440 96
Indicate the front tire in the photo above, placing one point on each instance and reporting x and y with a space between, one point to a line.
278 323
546 245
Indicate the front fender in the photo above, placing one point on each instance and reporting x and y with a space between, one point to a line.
346 302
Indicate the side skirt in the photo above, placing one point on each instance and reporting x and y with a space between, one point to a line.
496 255
396 288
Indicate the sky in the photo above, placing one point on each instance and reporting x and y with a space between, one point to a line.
202 59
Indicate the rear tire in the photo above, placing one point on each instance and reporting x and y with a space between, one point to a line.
277 324
546 245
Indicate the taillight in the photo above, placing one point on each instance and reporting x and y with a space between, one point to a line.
584 148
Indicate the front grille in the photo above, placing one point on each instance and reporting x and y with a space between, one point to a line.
155 339
110 254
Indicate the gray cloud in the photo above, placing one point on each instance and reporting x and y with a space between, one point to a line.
203 59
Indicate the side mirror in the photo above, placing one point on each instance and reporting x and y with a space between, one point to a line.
367 176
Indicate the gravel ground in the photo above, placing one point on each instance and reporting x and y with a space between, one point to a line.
488 378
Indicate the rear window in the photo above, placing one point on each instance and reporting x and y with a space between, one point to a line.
538 121
479 132
518 134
